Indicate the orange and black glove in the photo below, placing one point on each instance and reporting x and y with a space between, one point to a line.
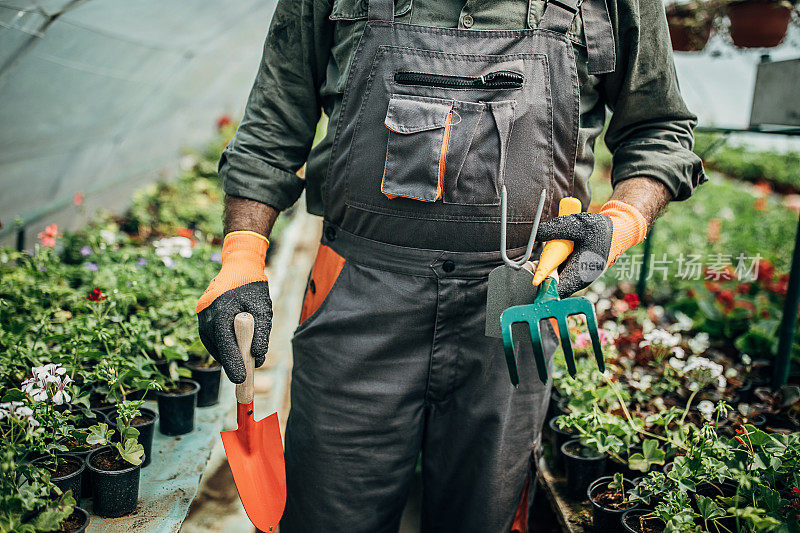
241 285
599 238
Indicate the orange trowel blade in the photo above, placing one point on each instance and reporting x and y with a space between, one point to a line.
255 455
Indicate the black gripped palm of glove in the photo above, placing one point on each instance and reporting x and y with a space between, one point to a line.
215 324
591 233
599 239
240 286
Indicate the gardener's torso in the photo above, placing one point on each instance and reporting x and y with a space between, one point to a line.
432 121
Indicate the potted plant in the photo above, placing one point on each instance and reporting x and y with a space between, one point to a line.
690 25
177 401
115 466
582 464
205 371
609 497
66 472
144 423
641 521
759 23
558 436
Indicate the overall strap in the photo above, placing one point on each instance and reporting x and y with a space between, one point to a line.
597 29
380 10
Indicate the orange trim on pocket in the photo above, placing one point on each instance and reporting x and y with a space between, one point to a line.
443 155
327 267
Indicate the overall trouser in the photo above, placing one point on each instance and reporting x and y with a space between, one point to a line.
390 358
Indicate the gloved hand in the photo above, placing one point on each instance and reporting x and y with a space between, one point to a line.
600 238
241 285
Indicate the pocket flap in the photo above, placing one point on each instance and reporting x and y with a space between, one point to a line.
412 114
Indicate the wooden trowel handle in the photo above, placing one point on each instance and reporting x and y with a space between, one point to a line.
243 327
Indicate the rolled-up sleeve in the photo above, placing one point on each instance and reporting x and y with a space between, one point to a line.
650 133
277 129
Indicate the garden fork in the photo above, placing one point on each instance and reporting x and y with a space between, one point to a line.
548 305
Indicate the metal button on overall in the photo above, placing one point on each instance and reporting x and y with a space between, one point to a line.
467 21
448 266
330 233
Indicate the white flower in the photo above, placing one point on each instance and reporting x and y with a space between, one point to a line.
647 325
676 363
34 389
684 322
679 352
699 343
706 408
726 213
167 247
602 305
109 236
61 397
660 337
746 359
18 410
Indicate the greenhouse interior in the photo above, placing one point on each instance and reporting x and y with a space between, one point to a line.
584 321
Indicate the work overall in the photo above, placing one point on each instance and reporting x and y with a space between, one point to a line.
390 357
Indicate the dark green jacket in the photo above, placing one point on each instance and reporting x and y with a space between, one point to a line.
310 45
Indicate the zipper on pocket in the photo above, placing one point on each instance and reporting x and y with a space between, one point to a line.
500 79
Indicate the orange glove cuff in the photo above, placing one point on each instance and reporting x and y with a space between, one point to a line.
243 256
629 227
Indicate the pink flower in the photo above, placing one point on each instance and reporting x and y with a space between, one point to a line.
78 198
224 120
49 235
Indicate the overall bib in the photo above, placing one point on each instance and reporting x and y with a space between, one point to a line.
390 357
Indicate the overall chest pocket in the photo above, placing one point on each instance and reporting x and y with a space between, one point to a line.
448 149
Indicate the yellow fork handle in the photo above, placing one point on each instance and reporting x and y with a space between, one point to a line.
557 250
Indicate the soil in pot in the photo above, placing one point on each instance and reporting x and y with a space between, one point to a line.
758 23
687 33
208 376
558 437
608 504
145 423
77 522
637 521
67 473
176 408
582 465
115 483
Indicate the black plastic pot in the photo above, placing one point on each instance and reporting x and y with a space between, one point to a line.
72 480
558 437
114 492
582 466
209 379
176 411
146 430
161 366
606 520
630 520
77 522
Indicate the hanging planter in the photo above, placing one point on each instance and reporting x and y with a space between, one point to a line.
689 27
759 23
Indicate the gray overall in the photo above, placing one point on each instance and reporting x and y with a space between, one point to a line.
390 358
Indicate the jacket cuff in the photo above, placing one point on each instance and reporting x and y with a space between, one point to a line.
249 177
678 168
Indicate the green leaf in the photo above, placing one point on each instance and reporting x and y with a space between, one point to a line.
99 434
708 509
131 451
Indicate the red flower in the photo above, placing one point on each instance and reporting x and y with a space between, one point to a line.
78 198
760 204
743 288
744 304
765 271
632 299
96 295
739 440
781 286
796 492
726 298
224 120
49 235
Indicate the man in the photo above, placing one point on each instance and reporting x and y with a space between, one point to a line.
433 107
